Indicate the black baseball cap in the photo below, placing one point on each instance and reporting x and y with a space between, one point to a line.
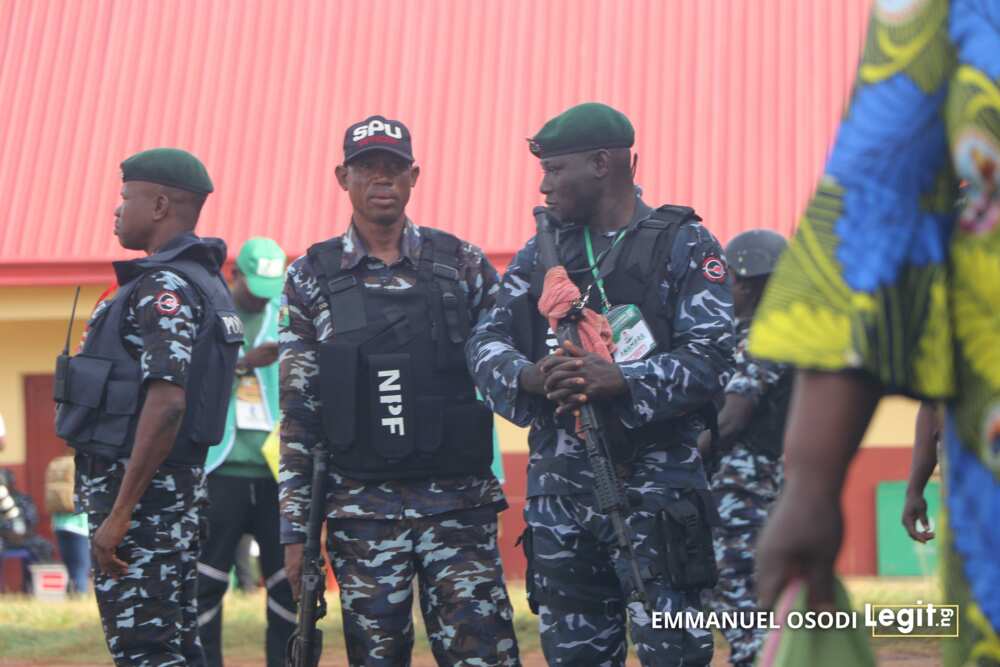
377 133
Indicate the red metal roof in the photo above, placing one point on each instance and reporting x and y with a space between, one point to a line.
734 104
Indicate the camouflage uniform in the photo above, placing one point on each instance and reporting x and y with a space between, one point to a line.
382 534
150 614
572 542
745 486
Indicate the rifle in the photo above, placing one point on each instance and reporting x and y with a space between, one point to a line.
306 643
608 489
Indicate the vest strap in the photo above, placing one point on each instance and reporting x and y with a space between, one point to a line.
439 262
343 291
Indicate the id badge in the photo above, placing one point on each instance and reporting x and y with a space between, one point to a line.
250 412
632 336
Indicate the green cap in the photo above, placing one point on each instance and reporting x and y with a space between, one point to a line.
262 261
168 166
585 127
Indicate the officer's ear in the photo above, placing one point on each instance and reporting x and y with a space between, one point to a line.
600 163
341 173
161 205
414 175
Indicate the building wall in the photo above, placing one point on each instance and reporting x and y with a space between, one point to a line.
33 329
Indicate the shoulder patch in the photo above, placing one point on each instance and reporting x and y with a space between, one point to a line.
714 269
167 302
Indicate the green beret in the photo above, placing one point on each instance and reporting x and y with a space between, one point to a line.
168 166
585 127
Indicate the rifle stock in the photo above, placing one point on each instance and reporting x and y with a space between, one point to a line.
306 643
608 489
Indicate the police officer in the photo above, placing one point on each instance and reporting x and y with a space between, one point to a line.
748 444
659 276
243 493
143 402
372 368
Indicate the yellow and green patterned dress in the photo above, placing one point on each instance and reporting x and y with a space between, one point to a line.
884 276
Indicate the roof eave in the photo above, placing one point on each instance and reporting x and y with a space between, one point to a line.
33 272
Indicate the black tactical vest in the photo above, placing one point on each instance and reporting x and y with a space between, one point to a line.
104 390
398 401
766 432
632 273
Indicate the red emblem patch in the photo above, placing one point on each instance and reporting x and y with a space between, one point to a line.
167 303
714 269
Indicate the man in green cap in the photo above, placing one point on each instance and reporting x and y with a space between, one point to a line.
143 402
241 488
659 278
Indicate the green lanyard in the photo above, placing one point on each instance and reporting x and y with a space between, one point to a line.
595 269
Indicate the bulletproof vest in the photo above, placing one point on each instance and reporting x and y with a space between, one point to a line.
104 391
398 400
766 431
632 272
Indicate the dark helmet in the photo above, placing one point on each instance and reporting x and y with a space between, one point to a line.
755 252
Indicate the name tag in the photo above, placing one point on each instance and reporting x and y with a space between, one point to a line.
251 415
631 334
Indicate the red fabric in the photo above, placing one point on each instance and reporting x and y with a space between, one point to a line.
558 295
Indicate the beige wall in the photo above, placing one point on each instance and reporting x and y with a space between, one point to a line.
33 330
28 347
891 427
512 438
893 423
32 333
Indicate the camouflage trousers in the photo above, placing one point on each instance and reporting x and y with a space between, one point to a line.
577 565
150 614
463 598
241 505
744 487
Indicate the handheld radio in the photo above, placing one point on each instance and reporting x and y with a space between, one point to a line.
61 391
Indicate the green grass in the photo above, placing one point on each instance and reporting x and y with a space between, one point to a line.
894 590
70 631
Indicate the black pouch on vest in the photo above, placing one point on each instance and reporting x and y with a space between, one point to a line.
86 380
465 426
338 378
529 574
390 378
121 400
429 420
686 527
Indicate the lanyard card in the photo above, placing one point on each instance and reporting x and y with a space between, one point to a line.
251 414
632 336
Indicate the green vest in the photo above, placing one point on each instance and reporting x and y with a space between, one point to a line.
268 379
